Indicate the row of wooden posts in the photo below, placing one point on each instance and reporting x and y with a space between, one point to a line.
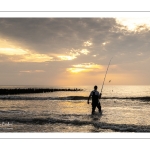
34 90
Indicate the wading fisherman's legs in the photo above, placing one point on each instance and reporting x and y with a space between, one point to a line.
99 107
94 105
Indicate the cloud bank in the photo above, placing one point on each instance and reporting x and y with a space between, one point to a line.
59 46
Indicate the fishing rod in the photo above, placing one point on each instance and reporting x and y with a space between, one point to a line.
105 74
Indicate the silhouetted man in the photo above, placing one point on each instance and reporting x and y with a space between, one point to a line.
95 100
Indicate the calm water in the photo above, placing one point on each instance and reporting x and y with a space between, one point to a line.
125 109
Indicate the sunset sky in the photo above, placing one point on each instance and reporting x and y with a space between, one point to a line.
74 51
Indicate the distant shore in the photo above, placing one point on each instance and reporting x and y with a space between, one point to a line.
34 90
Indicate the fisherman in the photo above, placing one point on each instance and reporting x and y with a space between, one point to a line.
95 100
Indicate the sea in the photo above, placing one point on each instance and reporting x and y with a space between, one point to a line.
125 108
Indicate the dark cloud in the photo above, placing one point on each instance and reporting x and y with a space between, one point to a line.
60 35
46 35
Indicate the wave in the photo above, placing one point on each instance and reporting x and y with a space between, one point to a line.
14 97
98 125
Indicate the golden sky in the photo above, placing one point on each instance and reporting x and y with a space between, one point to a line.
74 51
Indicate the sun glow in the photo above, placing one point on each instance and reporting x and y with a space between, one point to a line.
76 70
30 58
12 51
66 57
134 24
88 65
85 67
37 58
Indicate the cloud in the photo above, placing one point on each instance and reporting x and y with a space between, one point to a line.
65 45
87 43
84 51
49 35
69 36
136 24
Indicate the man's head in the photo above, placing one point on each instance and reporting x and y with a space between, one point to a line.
95 87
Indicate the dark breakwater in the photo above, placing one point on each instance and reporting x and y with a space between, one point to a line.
33 90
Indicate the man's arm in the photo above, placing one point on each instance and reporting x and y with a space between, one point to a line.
100 95
89 98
